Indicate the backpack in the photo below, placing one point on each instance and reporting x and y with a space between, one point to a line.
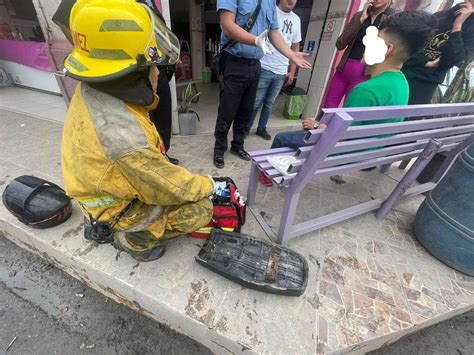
228 211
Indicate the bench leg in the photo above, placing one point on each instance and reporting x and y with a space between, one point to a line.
385 168
403 165
430 150
253 184
451 157
287 217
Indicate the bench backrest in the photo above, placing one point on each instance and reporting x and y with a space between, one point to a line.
342 148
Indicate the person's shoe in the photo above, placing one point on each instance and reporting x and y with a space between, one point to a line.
241 153
172 160
338 179
219 161
264 134
121 243
264 179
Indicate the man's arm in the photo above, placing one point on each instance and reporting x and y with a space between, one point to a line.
350 32
232 30
455 51
295 47
296 57
159 182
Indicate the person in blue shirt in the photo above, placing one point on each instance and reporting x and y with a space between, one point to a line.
240 68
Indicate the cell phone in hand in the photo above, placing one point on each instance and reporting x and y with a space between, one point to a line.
370 9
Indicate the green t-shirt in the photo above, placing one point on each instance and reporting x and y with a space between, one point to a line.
386 89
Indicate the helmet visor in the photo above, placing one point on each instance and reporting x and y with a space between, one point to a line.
168 45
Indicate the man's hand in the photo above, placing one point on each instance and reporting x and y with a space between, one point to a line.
290 77
261 42
311 123
433 64
298 59
365 12
465 10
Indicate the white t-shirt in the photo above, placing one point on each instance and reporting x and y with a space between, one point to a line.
290 27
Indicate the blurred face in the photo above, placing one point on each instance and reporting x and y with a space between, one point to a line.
375 46
379 4
289 5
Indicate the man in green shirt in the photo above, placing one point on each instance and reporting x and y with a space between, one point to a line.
404 34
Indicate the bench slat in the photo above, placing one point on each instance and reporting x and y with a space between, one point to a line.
276 151
364 143
263 158
385 112
382 152
402 127
336 170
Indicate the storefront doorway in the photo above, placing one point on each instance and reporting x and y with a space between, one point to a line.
197 25
23 56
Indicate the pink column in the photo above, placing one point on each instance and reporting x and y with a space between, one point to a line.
158 4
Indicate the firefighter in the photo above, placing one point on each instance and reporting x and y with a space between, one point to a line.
113 160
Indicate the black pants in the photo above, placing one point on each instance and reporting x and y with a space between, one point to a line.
161 116
237 97
421 92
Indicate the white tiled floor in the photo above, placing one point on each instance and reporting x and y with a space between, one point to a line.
47 106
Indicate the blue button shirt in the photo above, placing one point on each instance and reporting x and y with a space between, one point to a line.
243 9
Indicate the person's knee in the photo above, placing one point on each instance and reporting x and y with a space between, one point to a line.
196 215
278 141
268 104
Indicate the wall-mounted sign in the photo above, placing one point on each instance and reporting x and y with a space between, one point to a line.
328 30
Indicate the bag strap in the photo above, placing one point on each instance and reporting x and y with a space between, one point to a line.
247 26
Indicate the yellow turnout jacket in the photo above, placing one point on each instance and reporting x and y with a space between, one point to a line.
112 155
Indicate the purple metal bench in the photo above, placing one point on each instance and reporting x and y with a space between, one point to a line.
337 150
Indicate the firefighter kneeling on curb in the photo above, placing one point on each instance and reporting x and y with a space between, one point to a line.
113 160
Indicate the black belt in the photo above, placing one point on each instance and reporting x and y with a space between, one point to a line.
241 60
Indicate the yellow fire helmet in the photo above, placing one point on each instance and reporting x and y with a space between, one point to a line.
115 37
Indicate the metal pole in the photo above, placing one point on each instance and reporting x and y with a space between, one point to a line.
253 184
451 157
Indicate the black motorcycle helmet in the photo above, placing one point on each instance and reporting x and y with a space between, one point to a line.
36 202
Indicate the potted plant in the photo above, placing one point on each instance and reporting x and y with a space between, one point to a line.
188 118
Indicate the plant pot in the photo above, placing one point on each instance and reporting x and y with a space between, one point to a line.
188 122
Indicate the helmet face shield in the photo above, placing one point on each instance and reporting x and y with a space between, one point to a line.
168 46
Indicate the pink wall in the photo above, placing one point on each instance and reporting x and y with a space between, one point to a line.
29 53
158 4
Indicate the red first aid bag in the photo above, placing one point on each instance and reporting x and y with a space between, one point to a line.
229 210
